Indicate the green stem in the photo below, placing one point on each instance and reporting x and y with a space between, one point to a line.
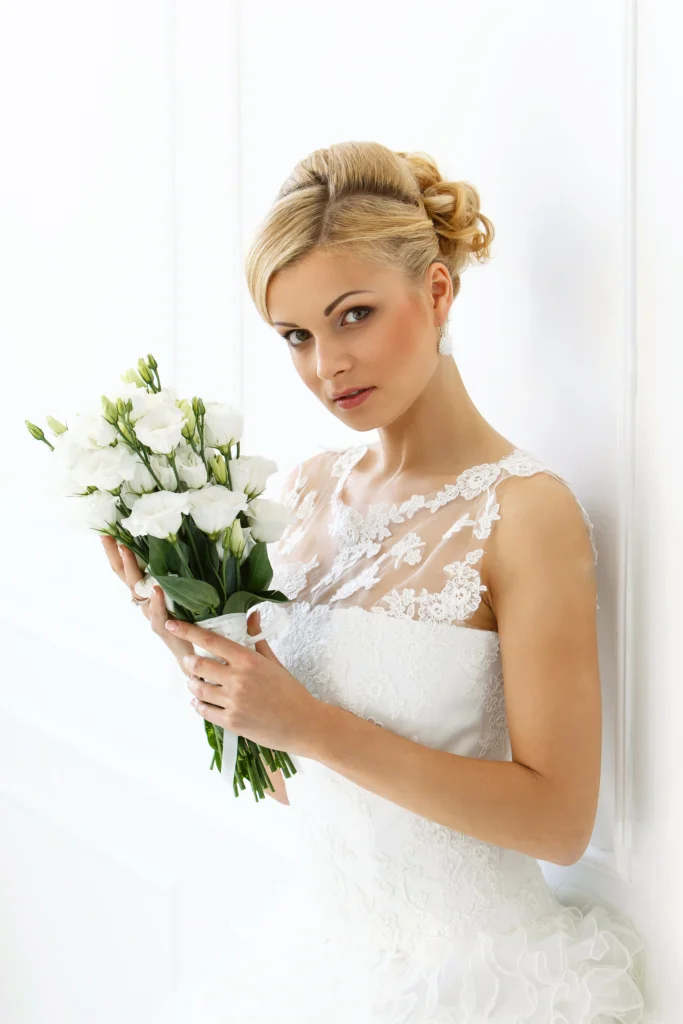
171 459
226 460
226 555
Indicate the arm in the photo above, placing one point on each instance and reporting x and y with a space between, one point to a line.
543 802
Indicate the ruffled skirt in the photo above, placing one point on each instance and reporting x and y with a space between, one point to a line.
581 965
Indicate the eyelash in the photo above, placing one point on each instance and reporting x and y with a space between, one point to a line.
351 309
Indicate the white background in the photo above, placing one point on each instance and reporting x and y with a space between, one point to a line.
141 145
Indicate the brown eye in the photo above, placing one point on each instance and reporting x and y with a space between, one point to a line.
355 309
297 330
367 310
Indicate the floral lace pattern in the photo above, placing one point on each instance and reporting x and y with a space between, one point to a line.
398 556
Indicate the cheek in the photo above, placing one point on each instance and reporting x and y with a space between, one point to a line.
403 336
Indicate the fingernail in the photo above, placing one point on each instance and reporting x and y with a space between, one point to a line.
171 624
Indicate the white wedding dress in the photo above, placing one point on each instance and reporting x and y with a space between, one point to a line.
401 920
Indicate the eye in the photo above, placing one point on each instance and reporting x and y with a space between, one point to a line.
354 309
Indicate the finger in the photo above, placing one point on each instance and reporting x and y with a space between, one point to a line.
253 629
158 612
157 615
205 668
114 558
208 711
231 652
130 567
209 693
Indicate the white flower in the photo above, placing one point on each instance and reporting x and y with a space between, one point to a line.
105 468
89 429
142 481
214 507
163 470
98 510
191 469
249 474
158 514
160 426
223 424
270 519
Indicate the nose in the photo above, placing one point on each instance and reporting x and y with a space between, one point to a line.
331 359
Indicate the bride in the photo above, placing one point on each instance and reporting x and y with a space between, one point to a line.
437 682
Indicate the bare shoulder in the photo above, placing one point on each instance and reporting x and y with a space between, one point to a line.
542 535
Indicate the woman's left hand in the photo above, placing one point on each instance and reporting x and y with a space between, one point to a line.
252 694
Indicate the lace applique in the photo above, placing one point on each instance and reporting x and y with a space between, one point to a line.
292 577
457 601
302 508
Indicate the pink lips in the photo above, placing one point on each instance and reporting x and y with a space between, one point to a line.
354 400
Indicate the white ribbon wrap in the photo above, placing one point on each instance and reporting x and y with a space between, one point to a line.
233 626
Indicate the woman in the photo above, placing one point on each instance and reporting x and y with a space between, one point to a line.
443 599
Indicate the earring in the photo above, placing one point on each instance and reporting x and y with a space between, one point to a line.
445 343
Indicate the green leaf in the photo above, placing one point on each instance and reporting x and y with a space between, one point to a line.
195 595
210 734
197 541
181 570
159 556
274 595
256 570
241 601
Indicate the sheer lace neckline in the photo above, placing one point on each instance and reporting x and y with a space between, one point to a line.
350 457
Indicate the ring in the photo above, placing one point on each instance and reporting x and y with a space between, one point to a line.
139 600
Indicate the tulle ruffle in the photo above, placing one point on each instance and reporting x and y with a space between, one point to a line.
576 967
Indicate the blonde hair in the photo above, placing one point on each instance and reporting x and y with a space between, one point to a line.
374 204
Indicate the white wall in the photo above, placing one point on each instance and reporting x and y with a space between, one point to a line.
142 144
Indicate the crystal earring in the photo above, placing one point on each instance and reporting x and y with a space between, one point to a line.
445 343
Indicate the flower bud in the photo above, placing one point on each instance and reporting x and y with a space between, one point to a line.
110 412
132 377
144 371
129 436
35 431
55 426
219 470
188 430
151 362
237 540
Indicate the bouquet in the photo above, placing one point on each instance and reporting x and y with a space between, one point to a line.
159 475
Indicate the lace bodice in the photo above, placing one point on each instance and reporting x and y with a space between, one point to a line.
415 559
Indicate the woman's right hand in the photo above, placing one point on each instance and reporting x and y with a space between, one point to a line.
124 563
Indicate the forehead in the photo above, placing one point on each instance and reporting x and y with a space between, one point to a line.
304 289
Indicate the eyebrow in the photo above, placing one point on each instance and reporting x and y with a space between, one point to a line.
328 309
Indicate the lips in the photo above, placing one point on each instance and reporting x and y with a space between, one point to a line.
349 394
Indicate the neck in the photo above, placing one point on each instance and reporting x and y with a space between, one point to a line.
441 433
